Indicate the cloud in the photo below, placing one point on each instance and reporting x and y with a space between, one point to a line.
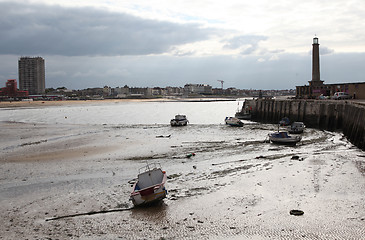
325 50
248 44
36 29
269 48
182 52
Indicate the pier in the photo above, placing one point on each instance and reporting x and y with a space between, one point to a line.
331 115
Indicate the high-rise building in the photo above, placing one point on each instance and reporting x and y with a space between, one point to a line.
32 75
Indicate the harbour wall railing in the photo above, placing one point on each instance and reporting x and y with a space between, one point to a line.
331 115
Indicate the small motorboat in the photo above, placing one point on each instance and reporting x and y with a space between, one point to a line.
179 120
284 121
244 113
284 138
233 121
149 186
296 127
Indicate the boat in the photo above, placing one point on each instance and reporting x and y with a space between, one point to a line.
179 120
149 186
243 116
296 127
284 121
233 121
284 138
244 113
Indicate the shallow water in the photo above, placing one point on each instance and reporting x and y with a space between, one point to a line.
124 113
237 186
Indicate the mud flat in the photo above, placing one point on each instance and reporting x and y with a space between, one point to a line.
236 186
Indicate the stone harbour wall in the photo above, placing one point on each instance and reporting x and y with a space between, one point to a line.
330 115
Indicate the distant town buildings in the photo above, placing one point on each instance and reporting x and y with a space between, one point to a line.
188 90
32 86
198 89
32 75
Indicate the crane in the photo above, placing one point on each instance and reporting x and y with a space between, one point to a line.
221 82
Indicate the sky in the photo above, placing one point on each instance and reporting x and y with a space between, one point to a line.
260 44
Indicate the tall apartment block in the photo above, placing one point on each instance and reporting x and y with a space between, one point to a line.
32 75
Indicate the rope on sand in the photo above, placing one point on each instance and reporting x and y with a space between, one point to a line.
89 213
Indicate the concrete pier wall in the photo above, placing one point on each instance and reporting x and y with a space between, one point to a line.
327 115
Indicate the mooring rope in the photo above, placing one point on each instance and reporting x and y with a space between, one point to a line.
89 213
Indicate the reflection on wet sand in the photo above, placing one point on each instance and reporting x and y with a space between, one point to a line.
155 212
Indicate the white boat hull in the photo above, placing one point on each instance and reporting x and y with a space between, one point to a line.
149 187
234 122
153 194
284 139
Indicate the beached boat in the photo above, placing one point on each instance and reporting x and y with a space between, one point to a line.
296 127
284 138
233 121
284 121
244 113
179 120
149 186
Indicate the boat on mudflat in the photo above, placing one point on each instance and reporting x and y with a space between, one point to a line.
284 138
244 113
179 120
233 121
149 186
296 128
284 121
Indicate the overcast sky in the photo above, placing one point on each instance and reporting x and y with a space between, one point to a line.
259 44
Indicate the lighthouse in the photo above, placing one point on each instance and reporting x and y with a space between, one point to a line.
316 80
318 90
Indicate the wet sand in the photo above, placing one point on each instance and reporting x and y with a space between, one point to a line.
13 104
235 187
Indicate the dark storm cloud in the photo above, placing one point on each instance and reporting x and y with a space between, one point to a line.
248 44
31 29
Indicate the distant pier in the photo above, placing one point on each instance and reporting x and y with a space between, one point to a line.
348 116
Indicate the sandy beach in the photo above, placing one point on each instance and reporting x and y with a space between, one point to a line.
235 187
12 104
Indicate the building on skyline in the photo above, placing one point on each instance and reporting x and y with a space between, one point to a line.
317 88
197 89
32 75
316 76
11 90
